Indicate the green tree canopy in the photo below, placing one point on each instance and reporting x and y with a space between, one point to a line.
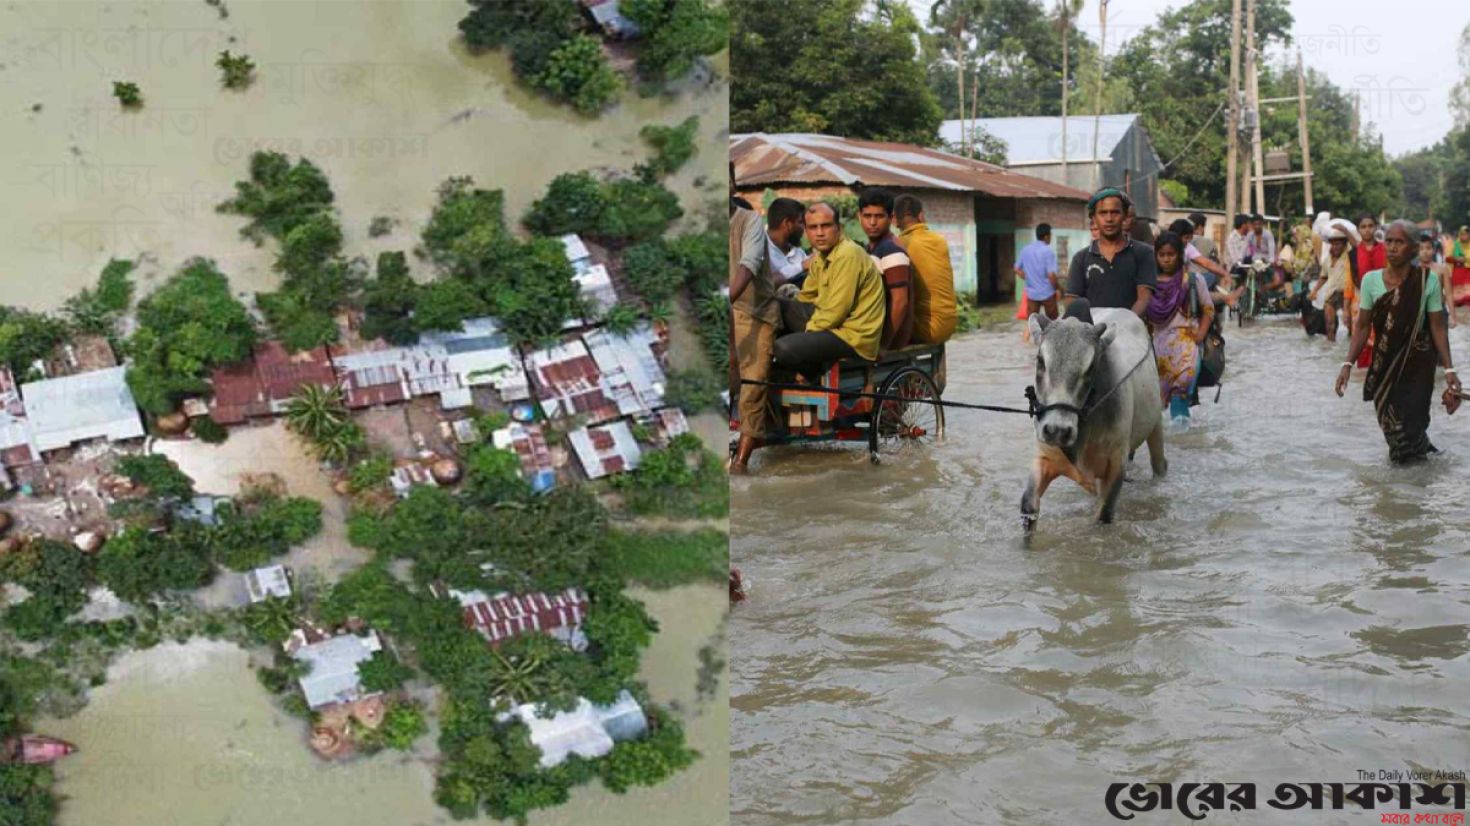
790 69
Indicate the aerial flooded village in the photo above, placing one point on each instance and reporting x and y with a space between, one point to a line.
415 486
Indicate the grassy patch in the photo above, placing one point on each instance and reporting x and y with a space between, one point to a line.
666 559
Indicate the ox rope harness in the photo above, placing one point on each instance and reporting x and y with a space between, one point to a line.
1037 409
1034 408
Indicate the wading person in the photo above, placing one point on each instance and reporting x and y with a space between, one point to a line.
1458 257
875 214
1402 305
1328 293
1428 253
1037 266
1114 270
839 311
1196 262
1178 315
753 317
1371 255
932 276
785 259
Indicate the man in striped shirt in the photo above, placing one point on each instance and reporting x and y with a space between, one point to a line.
875 214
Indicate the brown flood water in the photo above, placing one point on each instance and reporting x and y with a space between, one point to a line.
1282 606
379 94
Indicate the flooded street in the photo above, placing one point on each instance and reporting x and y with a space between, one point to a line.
1283 606
380 95
185 735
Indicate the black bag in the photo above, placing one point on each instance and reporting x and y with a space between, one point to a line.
1212 358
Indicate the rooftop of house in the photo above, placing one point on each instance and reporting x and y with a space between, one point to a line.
270 581
587 731
333 677
773 159
1038 140
504 616
69 409
262 383
606 449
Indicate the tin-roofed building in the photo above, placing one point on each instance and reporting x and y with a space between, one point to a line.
588 731
82 407
987 213
270 581
1125 153
631 373
610 18
501 617
569 383
17 445
333 677
606 450
529 443
446 364
264 383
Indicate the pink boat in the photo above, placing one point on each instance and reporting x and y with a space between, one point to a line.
36 748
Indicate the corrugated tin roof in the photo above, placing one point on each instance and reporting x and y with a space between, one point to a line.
333 677
84 406
764 159
1038 140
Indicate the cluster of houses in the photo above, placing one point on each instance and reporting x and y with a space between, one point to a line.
332 685
608 383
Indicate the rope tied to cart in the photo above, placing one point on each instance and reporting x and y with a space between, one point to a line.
1034 408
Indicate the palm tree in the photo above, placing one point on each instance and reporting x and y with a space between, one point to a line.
621 319
516 677
316 411
337 445
953 17
272 619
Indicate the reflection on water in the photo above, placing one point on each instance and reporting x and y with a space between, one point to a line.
379 94
1284 605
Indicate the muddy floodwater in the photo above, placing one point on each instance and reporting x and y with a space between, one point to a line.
1284 605
185 735
379 94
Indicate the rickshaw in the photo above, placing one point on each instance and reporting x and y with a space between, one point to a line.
892 404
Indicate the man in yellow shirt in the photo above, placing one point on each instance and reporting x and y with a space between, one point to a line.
933 277
839 311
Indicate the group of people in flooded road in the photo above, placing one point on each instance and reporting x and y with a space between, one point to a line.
801 312
1394 287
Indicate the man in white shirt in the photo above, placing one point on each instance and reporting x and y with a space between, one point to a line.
786 260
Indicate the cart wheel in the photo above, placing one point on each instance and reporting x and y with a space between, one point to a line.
911 417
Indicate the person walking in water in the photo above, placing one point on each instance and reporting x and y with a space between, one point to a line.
1403 306
1179 314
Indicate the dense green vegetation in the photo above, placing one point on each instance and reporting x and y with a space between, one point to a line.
320 417
25 791
127 93
97 311
292 203
548 48
236 71
619 210
673 34
186 327
666 559
682 479
673 146
527 285
25 337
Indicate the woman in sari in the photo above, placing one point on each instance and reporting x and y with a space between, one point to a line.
1178 315
1402 305
1458 257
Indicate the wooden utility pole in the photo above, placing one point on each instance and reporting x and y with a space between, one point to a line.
1255 104
1102 44
1301 128
1232 125
1250 109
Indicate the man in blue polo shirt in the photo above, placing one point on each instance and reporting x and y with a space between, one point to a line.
1037 264
1112 271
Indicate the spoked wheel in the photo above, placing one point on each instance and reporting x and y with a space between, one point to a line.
908 416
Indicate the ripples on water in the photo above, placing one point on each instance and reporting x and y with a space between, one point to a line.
1283 606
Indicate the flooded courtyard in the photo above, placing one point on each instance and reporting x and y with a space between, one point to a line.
1283 606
